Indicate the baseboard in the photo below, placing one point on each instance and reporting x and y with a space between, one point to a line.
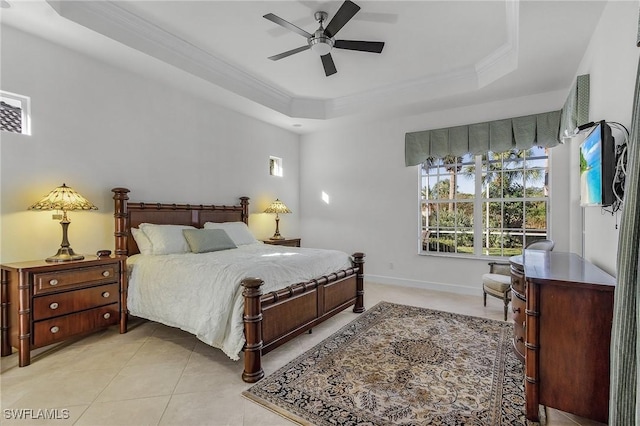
428 285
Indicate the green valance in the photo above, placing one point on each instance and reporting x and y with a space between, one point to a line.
497 136
575 111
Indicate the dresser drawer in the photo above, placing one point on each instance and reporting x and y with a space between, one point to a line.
60 328
517 282
518 307
62 303
77 277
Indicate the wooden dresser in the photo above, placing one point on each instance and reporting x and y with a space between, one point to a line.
45 303
563 332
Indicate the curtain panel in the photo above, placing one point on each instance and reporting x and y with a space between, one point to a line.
497 136
624 394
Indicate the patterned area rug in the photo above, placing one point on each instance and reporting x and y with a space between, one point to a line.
402 365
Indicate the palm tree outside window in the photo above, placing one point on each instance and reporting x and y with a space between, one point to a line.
484 205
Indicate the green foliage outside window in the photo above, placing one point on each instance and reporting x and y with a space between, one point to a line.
514 203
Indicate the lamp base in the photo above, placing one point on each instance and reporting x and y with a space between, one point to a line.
65 254
277 237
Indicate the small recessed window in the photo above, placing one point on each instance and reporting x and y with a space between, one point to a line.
14 113
275 166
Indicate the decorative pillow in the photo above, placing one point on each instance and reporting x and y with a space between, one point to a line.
238 231
166 239
144 245
206 240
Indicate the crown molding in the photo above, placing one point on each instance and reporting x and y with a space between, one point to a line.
115 22
504 59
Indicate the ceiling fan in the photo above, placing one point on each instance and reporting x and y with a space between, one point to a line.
322 40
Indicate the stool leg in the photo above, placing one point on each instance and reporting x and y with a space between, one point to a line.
484 295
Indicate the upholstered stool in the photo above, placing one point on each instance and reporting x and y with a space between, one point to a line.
497 282
497 285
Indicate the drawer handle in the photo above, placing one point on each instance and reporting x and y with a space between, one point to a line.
515 310
55 329
106 273
106 294
107 315
54 305
53 282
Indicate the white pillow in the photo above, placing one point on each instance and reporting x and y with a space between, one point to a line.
166 239
238 231
144 245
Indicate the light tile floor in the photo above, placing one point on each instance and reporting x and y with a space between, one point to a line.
157 375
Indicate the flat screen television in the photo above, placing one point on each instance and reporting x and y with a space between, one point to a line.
597 167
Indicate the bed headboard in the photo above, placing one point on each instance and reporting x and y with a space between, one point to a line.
131 215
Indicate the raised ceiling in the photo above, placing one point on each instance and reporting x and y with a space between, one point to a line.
436 52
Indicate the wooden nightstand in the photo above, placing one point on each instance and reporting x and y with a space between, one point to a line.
290 242
45 303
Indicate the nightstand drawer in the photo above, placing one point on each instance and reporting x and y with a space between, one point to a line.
53 305
78 277
57 329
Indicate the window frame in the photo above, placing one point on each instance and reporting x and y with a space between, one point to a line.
479 199
25 108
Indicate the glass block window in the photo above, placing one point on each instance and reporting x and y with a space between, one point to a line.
14 113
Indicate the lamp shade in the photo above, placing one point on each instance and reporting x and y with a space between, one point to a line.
277 207
65 199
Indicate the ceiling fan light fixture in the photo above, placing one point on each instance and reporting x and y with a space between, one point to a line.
321 44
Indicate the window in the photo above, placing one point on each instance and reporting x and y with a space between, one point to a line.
275 166
484 205
14 113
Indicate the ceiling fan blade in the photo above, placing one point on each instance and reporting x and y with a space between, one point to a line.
329 66
288 25
362 46
342 16
302 22
289 52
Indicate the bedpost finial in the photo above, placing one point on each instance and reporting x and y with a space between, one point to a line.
120 193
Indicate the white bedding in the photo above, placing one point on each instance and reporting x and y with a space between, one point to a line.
201 293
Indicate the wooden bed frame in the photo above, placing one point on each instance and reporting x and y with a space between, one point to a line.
269 319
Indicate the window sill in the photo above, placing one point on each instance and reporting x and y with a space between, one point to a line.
467 256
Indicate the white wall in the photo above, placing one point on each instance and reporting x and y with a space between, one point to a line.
96 127
611 60
374 198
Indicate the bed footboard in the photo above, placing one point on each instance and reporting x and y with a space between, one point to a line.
275 318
